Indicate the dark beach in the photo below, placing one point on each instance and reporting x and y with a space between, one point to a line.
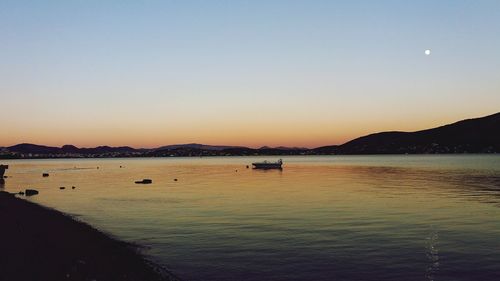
38 243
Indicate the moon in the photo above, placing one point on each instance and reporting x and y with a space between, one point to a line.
427 52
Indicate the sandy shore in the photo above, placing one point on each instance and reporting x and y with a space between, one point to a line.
38 243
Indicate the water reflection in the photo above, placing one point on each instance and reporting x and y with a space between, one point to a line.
432 255
483 186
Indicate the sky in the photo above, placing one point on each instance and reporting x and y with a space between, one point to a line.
254 73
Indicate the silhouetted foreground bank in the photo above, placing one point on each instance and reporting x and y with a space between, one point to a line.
37 243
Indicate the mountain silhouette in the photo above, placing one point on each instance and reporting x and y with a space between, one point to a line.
478 135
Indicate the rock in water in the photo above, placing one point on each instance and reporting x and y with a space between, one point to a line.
144 181
30 192
2 170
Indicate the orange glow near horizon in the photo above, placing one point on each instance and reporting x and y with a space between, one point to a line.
237 133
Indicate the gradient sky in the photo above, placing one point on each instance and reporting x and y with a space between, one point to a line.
294 73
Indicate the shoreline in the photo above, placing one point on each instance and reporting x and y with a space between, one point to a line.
250 156
40 243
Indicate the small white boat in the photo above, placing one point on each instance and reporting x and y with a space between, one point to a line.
268 165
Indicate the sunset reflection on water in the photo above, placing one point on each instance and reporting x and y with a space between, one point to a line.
320 218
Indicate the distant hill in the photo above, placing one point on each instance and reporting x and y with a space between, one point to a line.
284 148
196 146
479 135
34 148
229 151
28 148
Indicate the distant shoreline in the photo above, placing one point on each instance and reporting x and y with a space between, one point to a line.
260 155
40 243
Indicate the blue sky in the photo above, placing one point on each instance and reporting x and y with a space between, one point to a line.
242 72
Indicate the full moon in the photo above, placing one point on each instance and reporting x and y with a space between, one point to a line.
427 52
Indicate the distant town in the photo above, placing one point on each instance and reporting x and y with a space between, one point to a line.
32 151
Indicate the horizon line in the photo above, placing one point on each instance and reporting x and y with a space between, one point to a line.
254 147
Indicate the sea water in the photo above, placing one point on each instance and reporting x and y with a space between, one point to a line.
320 218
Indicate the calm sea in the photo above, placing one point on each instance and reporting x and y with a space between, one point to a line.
320 218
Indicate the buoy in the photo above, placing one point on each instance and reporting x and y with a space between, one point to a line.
175 179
